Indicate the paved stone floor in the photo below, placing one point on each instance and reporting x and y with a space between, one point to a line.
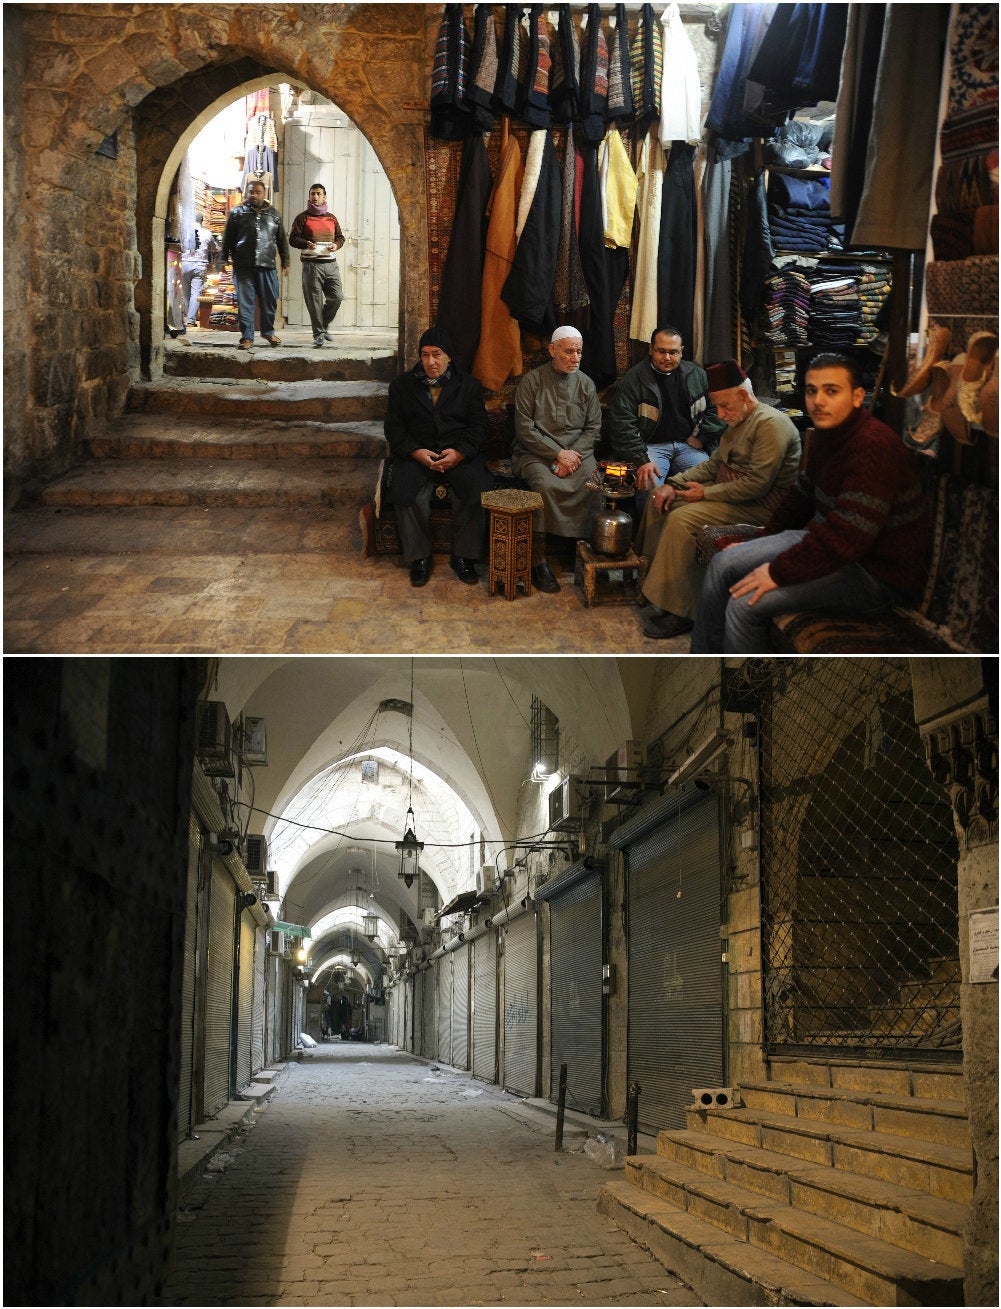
371 1179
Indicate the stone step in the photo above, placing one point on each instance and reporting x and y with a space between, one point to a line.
945 1171
215 482
720 1269
328 402
863 1265
333 363
900 1215
937 1081
944 1121
159 436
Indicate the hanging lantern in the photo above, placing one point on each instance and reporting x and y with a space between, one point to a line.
370 926
355 958
410 849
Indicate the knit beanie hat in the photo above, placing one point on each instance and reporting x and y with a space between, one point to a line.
725 376
437 336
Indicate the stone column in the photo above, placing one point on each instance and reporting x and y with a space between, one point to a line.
959 727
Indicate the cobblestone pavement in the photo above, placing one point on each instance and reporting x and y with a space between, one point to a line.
372 1179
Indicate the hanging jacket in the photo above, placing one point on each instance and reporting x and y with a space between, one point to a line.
450 117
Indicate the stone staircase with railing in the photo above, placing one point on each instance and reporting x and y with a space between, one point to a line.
833 1183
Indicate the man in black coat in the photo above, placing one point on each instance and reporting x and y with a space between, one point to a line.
436 426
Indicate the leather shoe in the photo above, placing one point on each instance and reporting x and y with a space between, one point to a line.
543 579
666 626
420 571
464 570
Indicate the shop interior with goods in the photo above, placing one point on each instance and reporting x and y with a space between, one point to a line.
288 138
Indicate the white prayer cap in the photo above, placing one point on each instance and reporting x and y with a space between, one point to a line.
562 333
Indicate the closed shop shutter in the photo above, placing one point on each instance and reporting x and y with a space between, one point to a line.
445 1009
575 987
260 958
485 1007
460 1007
184 1123
429 1032
675 979
415 992
246 1020
521 1006
219 998
271 1026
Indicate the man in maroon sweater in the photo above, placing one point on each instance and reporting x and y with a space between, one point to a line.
852 533
317 235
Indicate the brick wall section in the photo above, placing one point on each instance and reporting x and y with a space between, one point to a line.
79 229
97 790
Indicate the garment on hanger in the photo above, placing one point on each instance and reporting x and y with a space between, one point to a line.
536 112
799 60
646 60
676 254
650 184
564 84
462 275
528 291
726 117
681 92
605 273
508 90
853 114
619 190
450 117
594 78
620 86
717 342
569 287
482 68
498 355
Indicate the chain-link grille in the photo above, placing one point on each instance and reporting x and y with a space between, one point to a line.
859 856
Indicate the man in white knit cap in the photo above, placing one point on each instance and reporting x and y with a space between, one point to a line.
557 421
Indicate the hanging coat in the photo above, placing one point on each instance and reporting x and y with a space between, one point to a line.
528 291
499 354
564 86
620 87
726 116
507 90
646 64
650 184
619 183
537 112
680 90
569 288
676 257
459 297
482 69
449 113
594 78
605 272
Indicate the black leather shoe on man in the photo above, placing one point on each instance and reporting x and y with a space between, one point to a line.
543 579
663 625
420 571
464 570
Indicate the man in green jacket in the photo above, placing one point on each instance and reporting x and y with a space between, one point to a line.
662 419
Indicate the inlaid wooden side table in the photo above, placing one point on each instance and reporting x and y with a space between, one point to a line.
511 513
590 564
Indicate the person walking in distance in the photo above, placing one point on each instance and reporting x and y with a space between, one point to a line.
317 235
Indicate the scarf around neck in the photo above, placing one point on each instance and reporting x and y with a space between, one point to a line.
316 211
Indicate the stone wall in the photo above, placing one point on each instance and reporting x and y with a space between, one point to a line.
84 233
97 790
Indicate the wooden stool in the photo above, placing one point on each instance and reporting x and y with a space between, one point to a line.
510 538
589 564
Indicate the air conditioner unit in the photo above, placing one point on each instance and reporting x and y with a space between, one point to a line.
214 739
254 742
276 945
564 807
255 858
624 770
272 879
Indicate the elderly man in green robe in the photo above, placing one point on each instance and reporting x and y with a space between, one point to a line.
557 421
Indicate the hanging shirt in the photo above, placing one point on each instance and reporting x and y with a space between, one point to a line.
619 181
680 92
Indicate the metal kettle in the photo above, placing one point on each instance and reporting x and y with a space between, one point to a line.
612 526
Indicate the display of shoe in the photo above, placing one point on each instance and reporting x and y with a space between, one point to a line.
989 400
245 344
666 626
464 570
273 340
543 579
420 571
920 379
980 351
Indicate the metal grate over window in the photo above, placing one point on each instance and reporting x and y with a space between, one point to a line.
860 929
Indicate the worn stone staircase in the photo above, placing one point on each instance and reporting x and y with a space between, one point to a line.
228 429
833 1184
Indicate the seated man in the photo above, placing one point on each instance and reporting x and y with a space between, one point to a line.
436 426
557 421
662 419
851 534
741 482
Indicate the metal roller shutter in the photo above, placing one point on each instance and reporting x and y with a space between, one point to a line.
429 1031
521 1006
675 980
271 1026
460 1007
575 990
485 1007
184 1123
415 993
245 1024
445 1009
257 1042
219 997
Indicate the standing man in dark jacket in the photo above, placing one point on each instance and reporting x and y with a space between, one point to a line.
662 419
436 426
253 240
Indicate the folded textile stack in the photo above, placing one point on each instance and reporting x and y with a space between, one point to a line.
799 214
786 305
835 312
